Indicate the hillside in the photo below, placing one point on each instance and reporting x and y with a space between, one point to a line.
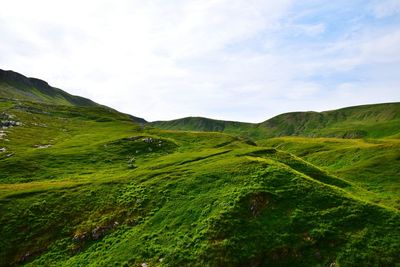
379 120
89 186
16 86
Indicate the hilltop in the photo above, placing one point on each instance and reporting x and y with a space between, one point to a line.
87 185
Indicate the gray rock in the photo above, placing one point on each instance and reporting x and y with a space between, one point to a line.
9 123
42 146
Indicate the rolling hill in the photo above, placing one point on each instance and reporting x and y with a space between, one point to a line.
85 185
379 120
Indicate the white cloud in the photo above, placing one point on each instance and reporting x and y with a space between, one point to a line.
168 59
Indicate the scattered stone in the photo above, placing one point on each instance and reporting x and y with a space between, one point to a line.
333 264
2 149
80 237
148 140
134 138
39 124
42 146
101 231
9 155
144 264
131 163
8 123
6 116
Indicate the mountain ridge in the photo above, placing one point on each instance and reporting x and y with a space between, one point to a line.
14 85
39 90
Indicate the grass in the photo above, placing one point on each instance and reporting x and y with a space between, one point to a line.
372 164
109 192
88 186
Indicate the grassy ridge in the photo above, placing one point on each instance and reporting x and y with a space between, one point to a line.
374 121
373 164
16 86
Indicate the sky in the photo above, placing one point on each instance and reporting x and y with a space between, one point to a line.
243 60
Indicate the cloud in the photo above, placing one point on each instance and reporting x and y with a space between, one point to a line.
238 60
385 8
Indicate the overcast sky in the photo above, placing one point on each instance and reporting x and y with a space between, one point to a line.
244 60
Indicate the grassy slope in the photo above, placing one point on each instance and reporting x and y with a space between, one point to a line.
16 86
379 120
373 164
101 196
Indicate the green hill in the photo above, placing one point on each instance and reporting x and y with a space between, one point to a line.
200 124
89 186
16 86
379 120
